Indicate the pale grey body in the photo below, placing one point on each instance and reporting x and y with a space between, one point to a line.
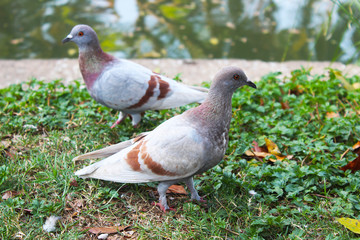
118 87
181 147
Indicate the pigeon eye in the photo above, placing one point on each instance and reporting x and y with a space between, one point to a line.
236 77
81 34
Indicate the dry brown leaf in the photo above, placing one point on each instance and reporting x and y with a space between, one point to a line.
285 105
262 102
177 189
265 152
73 182
257 154
115 237
332 115
280 158
10 194
74 214
108 230
353 165
257 148
356 146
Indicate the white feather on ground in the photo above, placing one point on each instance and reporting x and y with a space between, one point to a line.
50 223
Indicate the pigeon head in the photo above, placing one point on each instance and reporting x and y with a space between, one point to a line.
84 36
230 78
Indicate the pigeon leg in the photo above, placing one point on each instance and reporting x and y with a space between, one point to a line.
194 194
121 118
135 119
162 188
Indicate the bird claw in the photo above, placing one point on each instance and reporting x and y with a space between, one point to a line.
163 208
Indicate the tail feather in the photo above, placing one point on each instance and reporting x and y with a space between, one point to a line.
105 152
86 171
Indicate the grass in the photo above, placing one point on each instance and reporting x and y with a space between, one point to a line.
45 125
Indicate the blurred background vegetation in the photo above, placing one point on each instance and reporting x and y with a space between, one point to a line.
270 30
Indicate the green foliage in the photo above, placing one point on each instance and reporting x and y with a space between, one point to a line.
45 125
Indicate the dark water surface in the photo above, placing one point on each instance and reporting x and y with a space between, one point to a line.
270 30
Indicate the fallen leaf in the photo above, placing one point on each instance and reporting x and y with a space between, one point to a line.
108 230
351 224
74 214
257 148
10 194
356 146
332 115
115 237
285 105
261 102
73 182
353 165
257 154
263 152
177 189
272 147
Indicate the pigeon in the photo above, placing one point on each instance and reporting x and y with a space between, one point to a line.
179 148
124 85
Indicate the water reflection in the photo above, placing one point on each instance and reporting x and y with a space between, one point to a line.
272 30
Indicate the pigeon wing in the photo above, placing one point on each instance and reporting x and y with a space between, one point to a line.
167 153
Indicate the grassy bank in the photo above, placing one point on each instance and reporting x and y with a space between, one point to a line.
312 118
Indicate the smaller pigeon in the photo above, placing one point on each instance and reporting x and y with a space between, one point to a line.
124 85
179 148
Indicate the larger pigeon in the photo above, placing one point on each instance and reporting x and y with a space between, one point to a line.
124 85
179 148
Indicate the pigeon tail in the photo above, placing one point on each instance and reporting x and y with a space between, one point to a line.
105 152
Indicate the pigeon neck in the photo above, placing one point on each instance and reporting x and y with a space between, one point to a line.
215 111
92 62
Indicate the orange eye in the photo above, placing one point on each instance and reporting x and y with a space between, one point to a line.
81 34
236 77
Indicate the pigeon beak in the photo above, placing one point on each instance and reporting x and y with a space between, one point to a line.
67 39
250 84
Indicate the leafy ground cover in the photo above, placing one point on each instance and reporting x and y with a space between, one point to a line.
312 118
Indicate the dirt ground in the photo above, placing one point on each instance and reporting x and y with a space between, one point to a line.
192 71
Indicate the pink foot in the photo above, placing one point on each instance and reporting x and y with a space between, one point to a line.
162 207
115 123
202 200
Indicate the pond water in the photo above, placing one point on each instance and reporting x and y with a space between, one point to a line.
270 30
